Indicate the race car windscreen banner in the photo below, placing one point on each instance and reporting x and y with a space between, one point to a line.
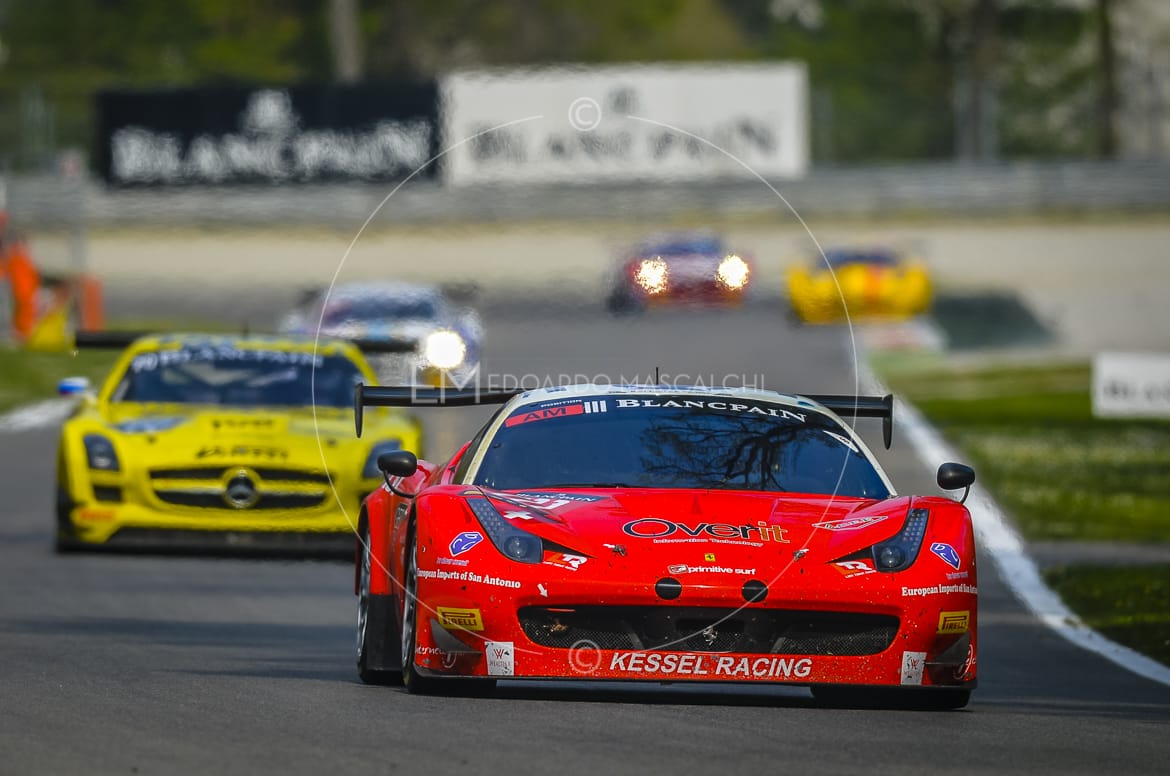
367 132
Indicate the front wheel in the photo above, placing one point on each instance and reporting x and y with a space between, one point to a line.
374 635
415 682
63 540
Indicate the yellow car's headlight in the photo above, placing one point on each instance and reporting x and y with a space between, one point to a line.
444 350
733 272
100 453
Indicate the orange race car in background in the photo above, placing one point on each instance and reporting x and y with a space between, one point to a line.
871 283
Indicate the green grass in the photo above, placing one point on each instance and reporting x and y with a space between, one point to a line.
27 377
1131 606
1060 472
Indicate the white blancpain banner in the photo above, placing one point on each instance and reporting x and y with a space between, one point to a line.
1131 385
659 122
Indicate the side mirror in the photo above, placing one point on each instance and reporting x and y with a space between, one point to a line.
952 476
72 386
398 463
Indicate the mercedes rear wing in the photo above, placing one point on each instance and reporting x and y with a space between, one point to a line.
121 339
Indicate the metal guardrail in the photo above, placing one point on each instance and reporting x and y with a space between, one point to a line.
936 188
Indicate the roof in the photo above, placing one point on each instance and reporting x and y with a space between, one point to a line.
681 244
291 342
383 288
582 390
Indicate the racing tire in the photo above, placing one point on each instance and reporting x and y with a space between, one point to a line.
940 699
62 543
415 682
377 642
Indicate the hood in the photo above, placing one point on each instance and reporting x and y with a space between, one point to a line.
407 329
199 432
690 526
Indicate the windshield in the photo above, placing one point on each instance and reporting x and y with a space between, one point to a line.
683 246
677 442
841 258
238 377
381 308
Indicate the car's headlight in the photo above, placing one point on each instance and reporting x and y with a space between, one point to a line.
512 542
444 349
370 470
99 452
899 551
733 272
651 275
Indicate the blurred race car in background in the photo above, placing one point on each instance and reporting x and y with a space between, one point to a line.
871 283
680 268
220 442
439 340
665 534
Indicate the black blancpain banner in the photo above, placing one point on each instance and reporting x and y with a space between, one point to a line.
259 135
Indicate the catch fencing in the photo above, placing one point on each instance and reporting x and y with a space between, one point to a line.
942 189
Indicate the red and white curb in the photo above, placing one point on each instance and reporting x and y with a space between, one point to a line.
1007 551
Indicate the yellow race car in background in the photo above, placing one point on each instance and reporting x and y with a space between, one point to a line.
872 284
221 442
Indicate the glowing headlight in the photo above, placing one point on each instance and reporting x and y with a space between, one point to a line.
651 275
733 272
444 350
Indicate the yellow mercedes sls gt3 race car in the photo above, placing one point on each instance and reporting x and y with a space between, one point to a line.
221 442
872 284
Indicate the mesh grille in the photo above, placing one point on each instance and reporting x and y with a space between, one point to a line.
218 472
213 500
189 473
708 629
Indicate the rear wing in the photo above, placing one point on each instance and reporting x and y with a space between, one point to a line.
122 339
414 396
853 407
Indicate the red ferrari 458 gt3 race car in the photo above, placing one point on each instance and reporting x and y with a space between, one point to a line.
665 534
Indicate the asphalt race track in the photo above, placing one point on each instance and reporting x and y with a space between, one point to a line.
141 664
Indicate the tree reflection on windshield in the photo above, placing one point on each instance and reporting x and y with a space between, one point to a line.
669 447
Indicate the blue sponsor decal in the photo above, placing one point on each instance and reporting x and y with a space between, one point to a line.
947 553
468 539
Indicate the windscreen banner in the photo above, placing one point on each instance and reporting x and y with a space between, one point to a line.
617 124
366 132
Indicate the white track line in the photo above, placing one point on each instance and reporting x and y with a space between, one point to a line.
45 413
1007 551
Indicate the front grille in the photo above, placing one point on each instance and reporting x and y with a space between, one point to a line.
190 473
710 629
219 472
215 500
291 475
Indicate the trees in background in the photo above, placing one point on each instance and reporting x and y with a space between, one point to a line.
891 79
